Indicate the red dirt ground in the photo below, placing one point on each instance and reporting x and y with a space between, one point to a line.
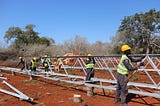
52 93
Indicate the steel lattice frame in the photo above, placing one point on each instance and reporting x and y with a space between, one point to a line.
108 64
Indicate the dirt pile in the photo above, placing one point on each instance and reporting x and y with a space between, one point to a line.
70 61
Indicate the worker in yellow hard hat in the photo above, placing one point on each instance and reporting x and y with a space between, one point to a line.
21 61
33 64
89 55
46 64
123 69
90 62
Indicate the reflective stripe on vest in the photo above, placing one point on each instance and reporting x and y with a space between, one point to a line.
33 64
121 68
90 64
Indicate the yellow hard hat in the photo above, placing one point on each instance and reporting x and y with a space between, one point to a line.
89 55
35 58
125 48
20 58
45 55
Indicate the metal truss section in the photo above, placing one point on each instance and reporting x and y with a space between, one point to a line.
145 82
18 93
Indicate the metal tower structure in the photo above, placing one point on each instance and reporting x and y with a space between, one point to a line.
146 81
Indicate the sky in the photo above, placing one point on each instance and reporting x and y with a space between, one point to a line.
61 20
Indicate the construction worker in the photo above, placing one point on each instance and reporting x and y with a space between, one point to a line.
122 73
46 63
21 61
59 63
90 62
33 64
49 60
41 60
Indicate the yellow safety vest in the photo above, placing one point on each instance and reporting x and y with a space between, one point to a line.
121 68
33 64
59 61
90 64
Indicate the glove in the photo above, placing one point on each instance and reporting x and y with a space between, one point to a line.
141 64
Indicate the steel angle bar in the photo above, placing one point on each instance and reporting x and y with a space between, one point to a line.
9 68
149 76
13 88
109 69
156 95
101 86
158 65
82 64
98 79
83 68
153 65
70 76
112 88
129 83
147 70
111 60
14 94
98 62
21 95
108 81
73 82
143 85
52 78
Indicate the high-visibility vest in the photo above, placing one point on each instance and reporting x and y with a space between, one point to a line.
90 64
121 67
33 64
42 60
59 61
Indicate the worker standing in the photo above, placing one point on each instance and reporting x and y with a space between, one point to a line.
22 61
49 60
41 60
46 63
59 63
33 65
124 67
90 62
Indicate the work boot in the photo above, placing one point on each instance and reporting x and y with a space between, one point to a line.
89 93
117 101
124 104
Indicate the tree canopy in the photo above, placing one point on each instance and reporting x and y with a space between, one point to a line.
25 37
141 31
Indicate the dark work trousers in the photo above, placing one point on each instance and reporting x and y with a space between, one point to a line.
33 69
90 74
23 67
121 89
